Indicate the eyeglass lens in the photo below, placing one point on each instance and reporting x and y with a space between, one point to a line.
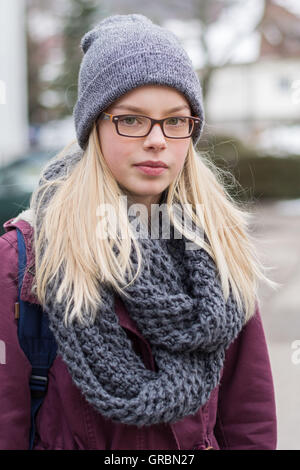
131 125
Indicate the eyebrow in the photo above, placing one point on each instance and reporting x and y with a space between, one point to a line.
140 110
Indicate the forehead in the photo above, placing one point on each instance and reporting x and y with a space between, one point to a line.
152 96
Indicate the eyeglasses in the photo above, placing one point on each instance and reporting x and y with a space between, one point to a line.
173 127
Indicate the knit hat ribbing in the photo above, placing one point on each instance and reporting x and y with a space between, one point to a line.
123 52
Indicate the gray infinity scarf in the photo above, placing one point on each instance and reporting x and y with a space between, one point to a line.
178 305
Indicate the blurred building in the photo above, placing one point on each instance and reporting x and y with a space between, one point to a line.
13 80
280 33
247 99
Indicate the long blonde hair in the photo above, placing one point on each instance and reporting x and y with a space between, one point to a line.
71 230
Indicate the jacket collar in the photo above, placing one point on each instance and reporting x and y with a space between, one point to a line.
27 293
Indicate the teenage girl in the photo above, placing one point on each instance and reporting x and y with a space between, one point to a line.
160 343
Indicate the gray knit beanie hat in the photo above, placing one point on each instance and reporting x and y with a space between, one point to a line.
123 52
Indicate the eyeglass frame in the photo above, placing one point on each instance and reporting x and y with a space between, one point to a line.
114 118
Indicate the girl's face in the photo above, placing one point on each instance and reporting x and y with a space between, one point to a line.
123 154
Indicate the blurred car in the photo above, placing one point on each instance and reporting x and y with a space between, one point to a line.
18 180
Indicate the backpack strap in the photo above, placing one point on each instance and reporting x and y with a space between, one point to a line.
36 340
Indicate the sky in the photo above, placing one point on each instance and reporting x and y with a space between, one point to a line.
293 5
229 39
232 38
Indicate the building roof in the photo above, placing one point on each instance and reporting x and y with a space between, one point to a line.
280 32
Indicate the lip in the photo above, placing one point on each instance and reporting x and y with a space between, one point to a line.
153 164
151 167
151 170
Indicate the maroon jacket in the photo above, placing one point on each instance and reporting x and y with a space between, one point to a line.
240 413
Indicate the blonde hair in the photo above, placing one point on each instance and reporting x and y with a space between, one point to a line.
70 227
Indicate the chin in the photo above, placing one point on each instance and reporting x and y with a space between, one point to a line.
147 190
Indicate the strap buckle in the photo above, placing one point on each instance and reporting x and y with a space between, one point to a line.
38 385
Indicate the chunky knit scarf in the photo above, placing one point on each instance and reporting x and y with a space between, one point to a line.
178 305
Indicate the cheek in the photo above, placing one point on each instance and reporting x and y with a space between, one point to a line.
114 158
113 152
180 154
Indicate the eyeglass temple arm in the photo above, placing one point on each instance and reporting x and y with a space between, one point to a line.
106 116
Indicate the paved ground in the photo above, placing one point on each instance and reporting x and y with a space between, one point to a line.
277 233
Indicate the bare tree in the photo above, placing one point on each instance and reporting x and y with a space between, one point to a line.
72 18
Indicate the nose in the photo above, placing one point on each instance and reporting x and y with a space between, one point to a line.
156 139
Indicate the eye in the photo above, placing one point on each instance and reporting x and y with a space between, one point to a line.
129 120
176 121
